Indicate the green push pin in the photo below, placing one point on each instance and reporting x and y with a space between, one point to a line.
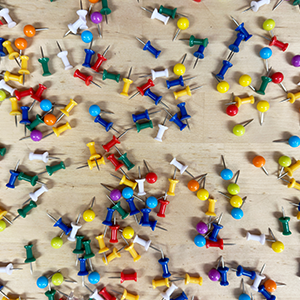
193 41
44 62
265 81
38 120
296 2
285 223
107 75
29 256
119 209
25 210
2 225
52 169
168 11
88 253
2 151
2 95
141 126
78 248
123 158
50 294
32 179
105 10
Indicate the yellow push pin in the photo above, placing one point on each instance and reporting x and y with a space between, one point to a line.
115 254
179 69
102 246
182 24
59 130
8 76
277 246
66 111
245 80
14 109
94 156
89 214
291 97
211 207
160 282
223 87
173 183
184 92
202 193
11 53
127 83
262 106
128 233
291 169
132 251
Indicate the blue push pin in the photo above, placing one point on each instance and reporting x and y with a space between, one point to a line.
109 215
86 36
127 192
265 293
105 124
144 115
83 271
183 296
223 272
164 264
241 28
183 112
294 141
244 296
88 57
177 121
200 240
154 97
265 53
199 54
94 110
59 223
2 40
236 212
151 202
25 119
240 271
226 65
235 46
217 227
45 105
94 277
145 218
133 210
175 82
42 282
153 225
13 176
226 174
149 47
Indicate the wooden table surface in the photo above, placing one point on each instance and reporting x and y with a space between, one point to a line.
210 136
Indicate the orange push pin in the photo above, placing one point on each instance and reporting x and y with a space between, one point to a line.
193 184
173 183
21 44
259 162
50 119
30 31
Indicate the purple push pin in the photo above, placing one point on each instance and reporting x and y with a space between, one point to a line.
214 275
36 135
115 195
202 228
296 61
96 18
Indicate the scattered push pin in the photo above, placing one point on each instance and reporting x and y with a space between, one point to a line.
239 129
157 15
8 269
59 130
96 18
182 24
127 83
126 277
277 246
291 97
262 106
44 62
162 129
265 53
293 141
269 25
89 214
4 13
285 223
244 295
44 157
258 279
149 47
259 162
169 12
173 181
179 69
29 256
182 168
274 42
88 79
30 31
277 78
157 74
15 109
226 174
100 60
186 91
63 55
223 270
151 177
105 10
12 54
284 162
255 5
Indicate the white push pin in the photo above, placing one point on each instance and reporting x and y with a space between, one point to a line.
258 279
75 228
255 5
142 242
94 295
6 87
167 294
44 157
162 129
255 237
34 196
140 183
80 23
8 269
156 15
182 168
63 55
4 13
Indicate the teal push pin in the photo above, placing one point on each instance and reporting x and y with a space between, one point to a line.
52 169
50 294
78 248
25 210
141 126
285 223
111 76
32 179
2 151
88 253
29 256
265 81
118 208
194 41
38 120
105 10
124 159
44 62
169 12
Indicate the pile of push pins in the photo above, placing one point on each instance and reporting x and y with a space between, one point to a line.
140 207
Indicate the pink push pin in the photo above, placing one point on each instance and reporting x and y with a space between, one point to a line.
96 18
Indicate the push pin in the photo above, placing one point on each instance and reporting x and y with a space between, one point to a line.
63 55
15 109
179 69
180 81
118 208
277 246
176 120
274 42
173 181
226 174
157 15
44 62
193 185
293 141
291 97
151 177
30 31
96 18
88 55
157 74
189 279
182 24
126 277
239 129
169 12
59 223
277 78
127 83
29 256
8 269
59 130
265 81
223 270
265 53
12 54
199 54
161 130
255 5
167 294
284 162
240 271
88 79
105 10
80 23
262 106
186 91
258 279
182 168
149 47
285 223
100 60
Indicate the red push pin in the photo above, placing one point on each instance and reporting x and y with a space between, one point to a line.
232 110
274 42
37 95
87 79
142 89
278 78
115 162
126 277
219 244
151 177
99 61
163 205
114 232
20 95
259 162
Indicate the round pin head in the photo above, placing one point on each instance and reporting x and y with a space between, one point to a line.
94 277
245 80
127 192
277 77
284 161
42 282
179 69
2 225
36 135
226 174
237 213
232 110
2 95
94 110
183 23
29 30
96 17
223 87
269 25
56 242
89 215
128 232
258 161
270 285
151 177
151 202
236 201
21 43
86 36
294 141
277 247
200 241
193 185
233 189
265 53
214 275
238 130
263 106
50 119
115 195
45 105
57 279
296 61
202 228
244 297
203 194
